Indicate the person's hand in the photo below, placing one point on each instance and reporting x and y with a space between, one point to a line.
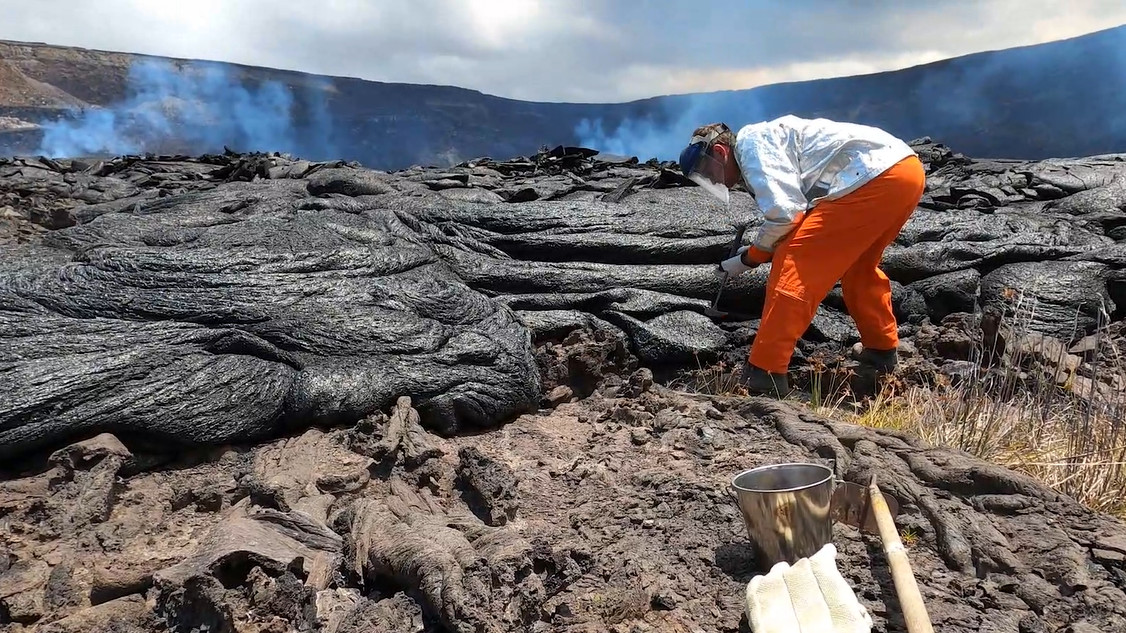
735 266
809 596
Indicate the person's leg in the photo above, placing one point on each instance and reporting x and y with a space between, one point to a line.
804 269
867 296
810 261
866 289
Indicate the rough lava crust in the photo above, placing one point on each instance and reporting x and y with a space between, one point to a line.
256 393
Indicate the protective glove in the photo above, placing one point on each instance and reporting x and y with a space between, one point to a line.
809 597
734 266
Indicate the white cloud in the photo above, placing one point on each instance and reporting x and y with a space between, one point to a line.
552 50
643 81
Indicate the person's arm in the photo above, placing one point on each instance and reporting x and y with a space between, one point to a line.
768 157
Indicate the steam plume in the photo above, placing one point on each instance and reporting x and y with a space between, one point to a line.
196 109
667 126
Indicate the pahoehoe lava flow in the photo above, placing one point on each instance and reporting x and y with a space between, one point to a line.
336 398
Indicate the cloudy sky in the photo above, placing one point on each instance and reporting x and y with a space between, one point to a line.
561 50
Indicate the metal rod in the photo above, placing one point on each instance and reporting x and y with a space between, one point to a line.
713 310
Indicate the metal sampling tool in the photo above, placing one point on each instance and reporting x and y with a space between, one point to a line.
712 310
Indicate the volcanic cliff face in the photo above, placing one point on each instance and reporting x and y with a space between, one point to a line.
258 393
1055 99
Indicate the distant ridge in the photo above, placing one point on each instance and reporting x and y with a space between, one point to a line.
1058 99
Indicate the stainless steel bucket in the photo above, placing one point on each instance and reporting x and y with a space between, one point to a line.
786 509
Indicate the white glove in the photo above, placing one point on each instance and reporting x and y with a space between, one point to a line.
734 266
809 597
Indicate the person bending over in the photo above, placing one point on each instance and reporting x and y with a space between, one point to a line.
833 196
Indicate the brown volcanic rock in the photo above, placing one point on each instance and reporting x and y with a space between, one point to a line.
63 76
611 534
17 90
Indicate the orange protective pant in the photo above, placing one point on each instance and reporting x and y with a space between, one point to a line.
843 240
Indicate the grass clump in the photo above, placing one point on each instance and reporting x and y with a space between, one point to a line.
717 379
1040 410
1059 441
1022 400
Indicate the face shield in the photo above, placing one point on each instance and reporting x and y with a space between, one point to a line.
704 170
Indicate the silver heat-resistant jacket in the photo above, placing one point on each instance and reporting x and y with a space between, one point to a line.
793 163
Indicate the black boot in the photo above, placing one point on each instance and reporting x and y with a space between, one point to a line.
884 361
761 382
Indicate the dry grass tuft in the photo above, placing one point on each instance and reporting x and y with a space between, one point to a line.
1059 441
1040 413
719 379
1038 409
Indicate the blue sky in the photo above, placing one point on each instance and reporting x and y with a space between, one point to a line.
561 50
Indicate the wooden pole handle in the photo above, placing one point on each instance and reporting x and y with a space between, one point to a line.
910 600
